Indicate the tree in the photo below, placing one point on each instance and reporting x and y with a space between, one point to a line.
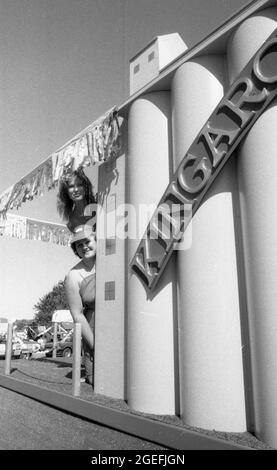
23 323
54 300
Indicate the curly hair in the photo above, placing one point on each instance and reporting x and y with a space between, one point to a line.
64 203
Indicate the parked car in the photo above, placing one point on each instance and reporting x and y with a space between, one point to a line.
28 347
16 349
64 348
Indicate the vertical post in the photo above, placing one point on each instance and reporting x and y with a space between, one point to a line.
8 355
110 321
211 372
55 340
151 372
76 366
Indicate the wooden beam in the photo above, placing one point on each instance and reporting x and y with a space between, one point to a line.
9 349
76 365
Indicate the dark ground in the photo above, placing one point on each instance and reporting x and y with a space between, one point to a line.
27 422
29 425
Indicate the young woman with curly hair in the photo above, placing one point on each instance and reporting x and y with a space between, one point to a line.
74 195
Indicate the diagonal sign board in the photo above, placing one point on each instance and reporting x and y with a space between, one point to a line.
241 106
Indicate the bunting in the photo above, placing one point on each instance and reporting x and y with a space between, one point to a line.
15 226
97 143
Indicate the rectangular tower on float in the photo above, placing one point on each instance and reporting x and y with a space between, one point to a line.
153 58
109 368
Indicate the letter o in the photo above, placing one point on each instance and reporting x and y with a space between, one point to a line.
257 62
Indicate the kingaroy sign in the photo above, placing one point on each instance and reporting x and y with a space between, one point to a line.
243 104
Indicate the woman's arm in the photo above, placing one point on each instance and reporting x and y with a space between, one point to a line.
76 307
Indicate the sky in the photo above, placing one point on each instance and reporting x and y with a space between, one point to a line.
64 63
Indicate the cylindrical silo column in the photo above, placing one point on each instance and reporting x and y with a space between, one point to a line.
150 321
211 369
257 170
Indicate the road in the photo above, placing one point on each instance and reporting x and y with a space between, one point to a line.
30 425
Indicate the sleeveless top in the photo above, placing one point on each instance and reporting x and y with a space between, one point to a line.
87 291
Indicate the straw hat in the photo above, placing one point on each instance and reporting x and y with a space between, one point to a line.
82 232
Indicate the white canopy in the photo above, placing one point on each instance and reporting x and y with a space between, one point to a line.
62 316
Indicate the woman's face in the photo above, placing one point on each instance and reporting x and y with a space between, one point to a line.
86 248
76 189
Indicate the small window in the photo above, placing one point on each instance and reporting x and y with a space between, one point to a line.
110 246
136 68
151 56
110 290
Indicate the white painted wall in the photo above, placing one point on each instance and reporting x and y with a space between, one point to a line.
211 374
150 353
257 170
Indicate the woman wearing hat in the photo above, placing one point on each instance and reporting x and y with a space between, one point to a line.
80 291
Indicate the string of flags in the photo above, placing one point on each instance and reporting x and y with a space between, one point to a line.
97 143
20 227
